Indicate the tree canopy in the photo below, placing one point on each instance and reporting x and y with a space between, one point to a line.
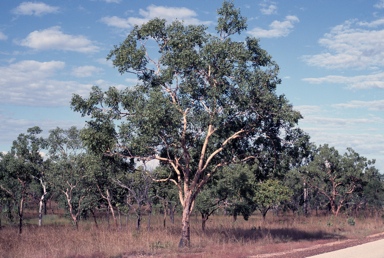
202 102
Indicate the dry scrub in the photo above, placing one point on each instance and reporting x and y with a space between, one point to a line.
223 237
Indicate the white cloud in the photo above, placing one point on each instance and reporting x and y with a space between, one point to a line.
30 83
54 38
365 143
268 8
276 28
11 127
352 44
379 5
354 82
3 36
85 71
308 109
372 24
118 22
34 8
362 133
151 12
371 105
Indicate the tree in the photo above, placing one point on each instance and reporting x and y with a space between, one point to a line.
295 156
201 103
8 185
21 166
68 170
167 194
208 201
270 193
371 197
336 177
138 186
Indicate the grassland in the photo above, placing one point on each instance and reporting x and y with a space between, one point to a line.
222 238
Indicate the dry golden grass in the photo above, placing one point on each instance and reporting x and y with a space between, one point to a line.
223 237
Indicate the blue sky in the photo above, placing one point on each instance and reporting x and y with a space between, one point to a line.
330 53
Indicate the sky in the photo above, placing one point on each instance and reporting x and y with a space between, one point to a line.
330 54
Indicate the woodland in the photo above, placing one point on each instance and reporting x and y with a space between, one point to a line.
203 133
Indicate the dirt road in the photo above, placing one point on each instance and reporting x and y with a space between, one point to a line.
368 250
372 247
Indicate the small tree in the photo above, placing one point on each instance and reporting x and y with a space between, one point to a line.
202 103
138 186
208 201
336 177
166 193
68 170
270 193
21 166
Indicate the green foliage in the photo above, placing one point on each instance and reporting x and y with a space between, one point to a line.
19 168
202 102
230 20
67 174
269 193
340 179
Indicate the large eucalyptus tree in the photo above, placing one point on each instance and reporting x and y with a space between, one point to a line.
202 102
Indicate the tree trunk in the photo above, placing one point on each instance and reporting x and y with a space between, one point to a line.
306 204
204 218
94 218
45 207
72 212
110 207
165 210
41 202
138 221
21 213
185 240
333 207
264 212
172 209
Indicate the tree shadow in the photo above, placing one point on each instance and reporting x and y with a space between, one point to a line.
273 235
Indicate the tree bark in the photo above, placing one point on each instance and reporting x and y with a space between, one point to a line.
172 209
185 240
138 221
204 218
165 210
41 202
306 203
21 213
94 218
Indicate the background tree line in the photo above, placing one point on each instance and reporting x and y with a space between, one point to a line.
305 180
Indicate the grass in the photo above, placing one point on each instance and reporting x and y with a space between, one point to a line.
222 238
